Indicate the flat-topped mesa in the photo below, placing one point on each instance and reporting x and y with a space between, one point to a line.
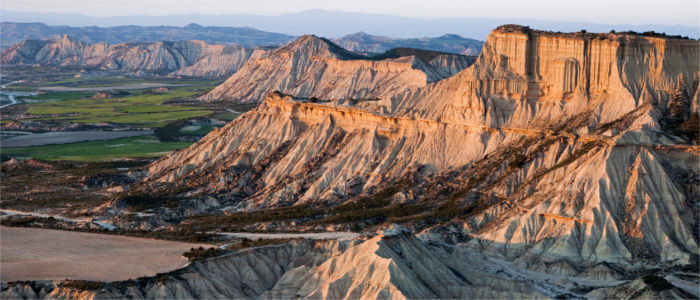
525 77
590 62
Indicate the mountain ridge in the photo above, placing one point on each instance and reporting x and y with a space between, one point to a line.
537 110
190 58
316 67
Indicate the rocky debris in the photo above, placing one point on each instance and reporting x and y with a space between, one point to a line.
188 58
313 67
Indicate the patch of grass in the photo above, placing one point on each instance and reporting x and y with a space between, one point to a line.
199 130
62 95
227 117
141 146
146 109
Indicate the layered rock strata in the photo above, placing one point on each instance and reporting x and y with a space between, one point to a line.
551 146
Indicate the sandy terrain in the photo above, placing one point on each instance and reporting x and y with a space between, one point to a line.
131 86
44 254
65 137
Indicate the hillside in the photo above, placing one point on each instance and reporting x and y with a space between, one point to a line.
14 33
316 67
450 43
190 58
550 147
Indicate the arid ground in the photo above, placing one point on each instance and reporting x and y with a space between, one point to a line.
44 254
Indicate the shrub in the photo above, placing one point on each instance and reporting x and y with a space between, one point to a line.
657 283
691 127
84 285
200 253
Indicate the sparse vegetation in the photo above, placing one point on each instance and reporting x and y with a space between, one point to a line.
197 254
83 285
140 146
691 128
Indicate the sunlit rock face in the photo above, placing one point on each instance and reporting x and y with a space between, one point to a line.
564 143
188 58
315 67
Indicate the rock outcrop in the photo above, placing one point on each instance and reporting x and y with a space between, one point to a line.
315 67
550 147
190 58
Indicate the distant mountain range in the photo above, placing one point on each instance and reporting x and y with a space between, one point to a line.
450 43
335 24
188 58
316 67
14 33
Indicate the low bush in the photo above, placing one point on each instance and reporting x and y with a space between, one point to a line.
84 285
657 283
196 254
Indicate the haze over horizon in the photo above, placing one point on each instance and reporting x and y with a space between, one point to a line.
675 12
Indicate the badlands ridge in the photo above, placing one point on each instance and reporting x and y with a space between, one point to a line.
553 165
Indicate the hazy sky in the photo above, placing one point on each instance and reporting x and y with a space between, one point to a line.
667 12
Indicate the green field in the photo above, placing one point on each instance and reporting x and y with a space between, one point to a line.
140 146
145 109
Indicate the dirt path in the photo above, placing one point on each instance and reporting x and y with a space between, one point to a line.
67 137
340 235
45 254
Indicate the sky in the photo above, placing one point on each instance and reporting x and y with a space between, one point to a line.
665 12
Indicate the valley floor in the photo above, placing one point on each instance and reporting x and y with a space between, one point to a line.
44 254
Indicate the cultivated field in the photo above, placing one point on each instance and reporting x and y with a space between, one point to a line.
44 254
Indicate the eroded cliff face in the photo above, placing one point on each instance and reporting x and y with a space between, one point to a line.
190 58
397 267
315 67
551 146
391 264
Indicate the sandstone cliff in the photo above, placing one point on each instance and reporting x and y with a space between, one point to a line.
315 67
551 147
190 58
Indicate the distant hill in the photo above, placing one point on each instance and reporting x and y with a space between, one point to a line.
450 43
316 67
335 24
13 33
189 58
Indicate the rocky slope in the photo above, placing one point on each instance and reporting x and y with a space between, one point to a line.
190 58
451 43
550 147
315 67
393 264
